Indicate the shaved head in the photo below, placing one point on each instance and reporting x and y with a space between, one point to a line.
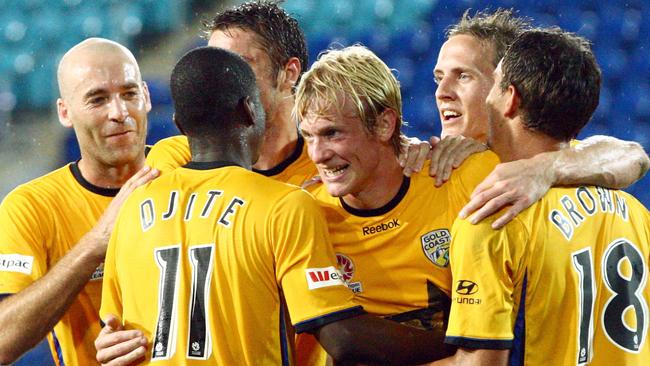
87 54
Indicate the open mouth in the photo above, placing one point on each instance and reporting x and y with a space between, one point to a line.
335 171
449 115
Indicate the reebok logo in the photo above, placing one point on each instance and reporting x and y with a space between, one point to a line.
323 277
16 263
369 230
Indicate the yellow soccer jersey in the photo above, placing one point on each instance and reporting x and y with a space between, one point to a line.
564 283
40 222
172 152
205 259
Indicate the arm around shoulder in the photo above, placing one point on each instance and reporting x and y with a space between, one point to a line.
601 160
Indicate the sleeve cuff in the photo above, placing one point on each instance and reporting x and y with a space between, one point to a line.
314 323
479 343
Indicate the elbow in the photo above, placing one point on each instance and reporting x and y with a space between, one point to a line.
640 165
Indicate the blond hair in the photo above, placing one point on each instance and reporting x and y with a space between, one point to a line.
355 74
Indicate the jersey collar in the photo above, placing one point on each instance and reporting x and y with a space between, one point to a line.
406 182
76 173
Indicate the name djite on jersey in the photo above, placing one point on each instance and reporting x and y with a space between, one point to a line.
197 205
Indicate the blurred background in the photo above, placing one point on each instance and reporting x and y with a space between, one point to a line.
406 34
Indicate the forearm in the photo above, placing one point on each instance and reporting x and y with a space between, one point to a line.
599 160
371 339
39 307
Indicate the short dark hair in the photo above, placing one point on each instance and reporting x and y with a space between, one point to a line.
558 79
277 31
208 85
497 29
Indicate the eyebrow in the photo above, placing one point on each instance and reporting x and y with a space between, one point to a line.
98 91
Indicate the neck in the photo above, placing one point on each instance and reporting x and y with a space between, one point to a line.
381 187
206 150
280 137
523 143
106 176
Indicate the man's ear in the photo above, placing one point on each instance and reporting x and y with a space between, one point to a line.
288 76
63 113
513 99
386 124
248 111
180 129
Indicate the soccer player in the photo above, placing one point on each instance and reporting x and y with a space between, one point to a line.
215 263
54 229
564 283
464 74
273 43
390 232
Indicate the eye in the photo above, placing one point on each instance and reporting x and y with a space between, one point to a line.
464 76
130 94
436 79
97 100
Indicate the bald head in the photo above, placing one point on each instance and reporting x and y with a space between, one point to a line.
91 53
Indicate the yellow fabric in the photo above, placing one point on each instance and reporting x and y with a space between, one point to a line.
383 255
172 152
41 221
558 246
263 247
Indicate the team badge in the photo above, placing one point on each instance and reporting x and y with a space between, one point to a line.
435 245
98 274
346 266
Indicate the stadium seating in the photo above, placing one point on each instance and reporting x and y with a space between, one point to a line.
407 34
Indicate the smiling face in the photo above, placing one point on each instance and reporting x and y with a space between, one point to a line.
106 102
464 77
344 151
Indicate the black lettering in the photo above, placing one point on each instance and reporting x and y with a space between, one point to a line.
171 208
147 214
208 205
190 207
583 193
230 210
621 206
570 208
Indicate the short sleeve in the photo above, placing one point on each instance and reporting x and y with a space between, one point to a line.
306 265
485 266
25 228
169 154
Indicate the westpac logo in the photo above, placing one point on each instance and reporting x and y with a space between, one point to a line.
16 263
436 246
466 287
323 277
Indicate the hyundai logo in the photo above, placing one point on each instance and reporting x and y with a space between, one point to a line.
466 287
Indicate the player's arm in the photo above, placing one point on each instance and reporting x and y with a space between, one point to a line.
39 306
475 357
599 160
370 339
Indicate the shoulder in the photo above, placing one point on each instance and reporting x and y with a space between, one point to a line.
44 187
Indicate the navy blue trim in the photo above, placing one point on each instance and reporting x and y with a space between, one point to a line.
286 162
284 348
315 323
478 343
57 348
2 296
519 344
76 173
147 149
207 165
403 189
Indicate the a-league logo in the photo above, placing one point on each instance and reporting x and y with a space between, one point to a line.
346 267
435 245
